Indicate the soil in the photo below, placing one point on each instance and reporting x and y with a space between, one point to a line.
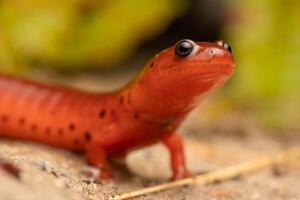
50 173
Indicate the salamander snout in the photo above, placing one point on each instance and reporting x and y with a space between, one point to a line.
187 48
224 45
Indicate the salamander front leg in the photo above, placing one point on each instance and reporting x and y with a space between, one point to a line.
174 145
96 156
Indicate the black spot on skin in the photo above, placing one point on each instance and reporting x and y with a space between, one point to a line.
72 127
152 64
60 131
87 136
135 116
121 99
102 113
4 118
33 127
22 121
48 131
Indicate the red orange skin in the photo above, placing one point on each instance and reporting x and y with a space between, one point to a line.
146 111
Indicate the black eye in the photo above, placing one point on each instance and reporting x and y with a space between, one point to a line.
227 46
224 45
183 48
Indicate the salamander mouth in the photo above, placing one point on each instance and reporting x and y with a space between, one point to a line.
194 80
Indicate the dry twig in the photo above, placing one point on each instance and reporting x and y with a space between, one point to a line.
218 175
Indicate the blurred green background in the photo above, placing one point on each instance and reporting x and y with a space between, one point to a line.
100 36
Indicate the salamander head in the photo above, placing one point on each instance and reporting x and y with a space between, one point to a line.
194 67
182 75
195 63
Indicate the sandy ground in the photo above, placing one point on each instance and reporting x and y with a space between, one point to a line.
50 173
55 174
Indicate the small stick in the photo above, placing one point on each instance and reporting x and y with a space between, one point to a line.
218 175
10 168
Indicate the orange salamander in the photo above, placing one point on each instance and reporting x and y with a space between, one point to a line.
148 110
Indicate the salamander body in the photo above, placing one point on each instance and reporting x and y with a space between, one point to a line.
147 110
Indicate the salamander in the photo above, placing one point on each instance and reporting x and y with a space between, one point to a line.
148 110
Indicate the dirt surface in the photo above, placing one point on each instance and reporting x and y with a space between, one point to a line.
55 174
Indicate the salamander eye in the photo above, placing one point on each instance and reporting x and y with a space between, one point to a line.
183 48
228 47
224 45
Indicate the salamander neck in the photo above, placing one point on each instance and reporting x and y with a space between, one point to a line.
157 105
